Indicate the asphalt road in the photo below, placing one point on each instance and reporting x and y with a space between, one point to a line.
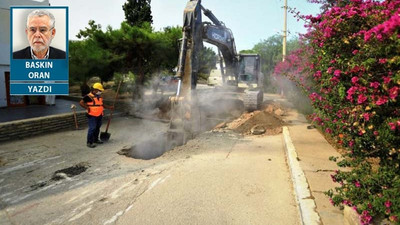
217 178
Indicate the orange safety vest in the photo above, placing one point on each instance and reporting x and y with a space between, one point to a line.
95 107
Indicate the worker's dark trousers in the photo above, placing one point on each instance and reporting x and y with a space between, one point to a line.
94 128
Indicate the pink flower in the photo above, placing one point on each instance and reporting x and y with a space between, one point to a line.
365 217
374 84
333 178
335 80
337 73
388 204
382 100
382 61
328 130
376 133
393 218
318 74
354 80
351 92
393 92
355 52
314 96
366 116
357 184
392 125
346 202
361 99
386 80
367 36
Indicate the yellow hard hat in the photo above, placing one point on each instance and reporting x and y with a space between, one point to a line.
98 86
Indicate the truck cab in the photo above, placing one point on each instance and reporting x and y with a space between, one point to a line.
249 71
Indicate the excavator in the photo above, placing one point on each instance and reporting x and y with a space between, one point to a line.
241 72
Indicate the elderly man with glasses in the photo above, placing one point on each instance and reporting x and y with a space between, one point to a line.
40 30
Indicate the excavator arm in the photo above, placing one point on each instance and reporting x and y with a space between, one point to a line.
195 31
185 123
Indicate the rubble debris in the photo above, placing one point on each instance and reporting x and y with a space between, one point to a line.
38 185
220 125
311 127
257 130
267 121
70 171
60 176
125 150
279 112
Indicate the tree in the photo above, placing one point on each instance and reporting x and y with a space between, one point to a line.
207 62
271 51
92 56
165 53
137 12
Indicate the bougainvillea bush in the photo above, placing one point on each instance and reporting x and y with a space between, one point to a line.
350 68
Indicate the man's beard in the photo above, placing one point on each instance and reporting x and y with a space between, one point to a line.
41 48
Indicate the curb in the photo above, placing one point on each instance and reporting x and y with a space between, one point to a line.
305 202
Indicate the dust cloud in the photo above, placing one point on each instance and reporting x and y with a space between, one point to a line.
209 107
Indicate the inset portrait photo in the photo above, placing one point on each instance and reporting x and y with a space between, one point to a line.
39 33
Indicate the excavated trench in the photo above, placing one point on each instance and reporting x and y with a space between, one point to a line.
149 149
264 122
210 115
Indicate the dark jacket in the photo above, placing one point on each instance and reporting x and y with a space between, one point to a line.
25 53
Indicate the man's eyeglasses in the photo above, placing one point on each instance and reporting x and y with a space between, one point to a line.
42 30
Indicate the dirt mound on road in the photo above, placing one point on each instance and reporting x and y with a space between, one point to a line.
268 121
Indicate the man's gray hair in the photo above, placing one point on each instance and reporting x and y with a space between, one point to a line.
40 13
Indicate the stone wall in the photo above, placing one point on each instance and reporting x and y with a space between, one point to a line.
14 130
18 129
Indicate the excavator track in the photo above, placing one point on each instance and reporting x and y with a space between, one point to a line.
252 100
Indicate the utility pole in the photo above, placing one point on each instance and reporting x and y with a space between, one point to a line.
284 31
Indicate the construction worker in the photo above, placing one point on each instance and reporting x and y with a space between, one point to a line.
93 103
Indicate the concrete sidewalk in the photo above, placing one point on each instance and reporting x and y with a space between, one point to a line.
312 154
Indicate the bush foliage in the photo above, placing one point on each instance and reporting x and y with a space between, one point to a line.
350 68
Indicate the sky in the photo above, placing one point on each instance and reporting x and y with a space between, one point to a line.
250 21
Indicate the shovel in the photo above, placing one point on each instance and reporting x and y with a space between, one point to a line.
73 107
105 136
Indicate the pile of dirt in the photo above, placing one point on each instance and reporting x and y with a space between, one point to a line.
268 121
